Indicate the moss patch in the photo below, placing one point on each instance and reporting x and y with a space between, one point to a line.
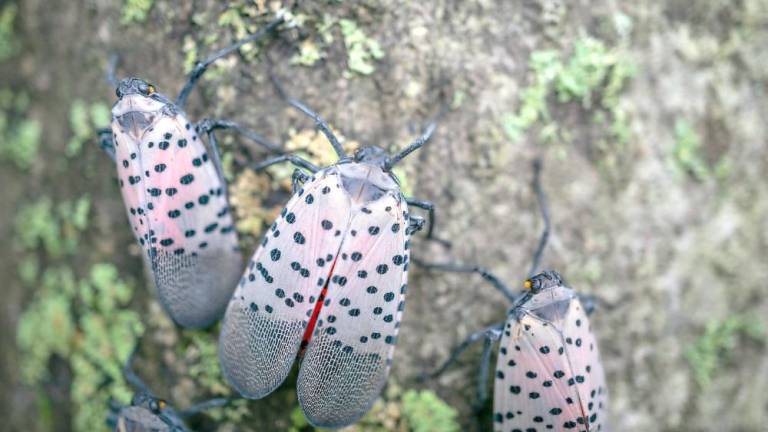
718 344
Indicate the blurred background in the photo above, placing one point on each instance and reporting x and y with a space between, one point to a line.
650 118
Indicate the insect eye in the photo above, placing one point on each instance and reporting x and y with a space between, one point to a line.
156 405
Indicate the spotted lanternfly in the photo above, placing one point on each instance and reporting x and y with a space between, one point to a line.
330 278
147 413
176 205
548 374
175 196
548 371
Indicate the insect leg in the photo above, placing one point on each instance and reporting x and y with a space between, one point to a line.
130 375
208 125
489 333
107 142
485 364
202 66
204 406
319 122
542 199
415 224
428 206
216 155
588 301
296 160
112 416
298 177
463 268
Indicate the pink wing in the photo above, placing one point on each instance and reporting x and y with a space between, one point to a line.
348 357
178 208
541 375
583 354
271 308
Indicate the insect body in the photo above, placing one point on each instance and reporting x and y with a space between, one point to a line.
147 413
175 194
330 277
176 204
548 372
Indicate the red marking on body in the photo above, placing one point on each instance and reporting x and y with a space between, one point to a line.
318 306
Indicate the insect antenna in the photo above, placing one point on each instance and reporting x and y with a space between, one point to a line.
111 68
202 66
462 268
204 406
319 122
420 141
542 199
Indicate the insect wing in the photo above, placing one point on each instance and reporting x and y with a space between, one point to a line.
347 360
274 301
182 220
548 374
584 357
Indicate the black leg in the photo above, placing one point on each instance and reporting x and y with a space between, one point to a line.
202 66
130 376
482 376
462 268
298 178
415 224
204 406
216 155
209 125
492 333
589 302
319 122
429 207
296 160
107 142
542 199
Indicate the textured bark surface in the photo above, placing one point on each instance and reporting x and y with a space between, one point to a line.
666 253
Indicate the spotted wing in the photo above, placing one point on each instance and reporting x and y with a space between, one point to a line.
189 236
130 179
271 308
584 357
535 385
347 360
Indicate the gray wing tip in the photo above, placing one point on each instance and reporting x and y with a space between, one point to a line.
257 353
195 290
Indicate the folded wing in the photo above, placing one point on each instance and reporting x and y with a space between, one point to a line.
272 306
348 357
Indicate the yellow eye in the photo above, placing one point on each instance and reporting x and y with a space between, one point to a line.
150 89
161 404
527 284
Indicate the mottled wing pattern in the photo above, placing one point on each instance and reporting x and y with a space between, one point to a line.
271 308
584 357
549 374
347 360
184 221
